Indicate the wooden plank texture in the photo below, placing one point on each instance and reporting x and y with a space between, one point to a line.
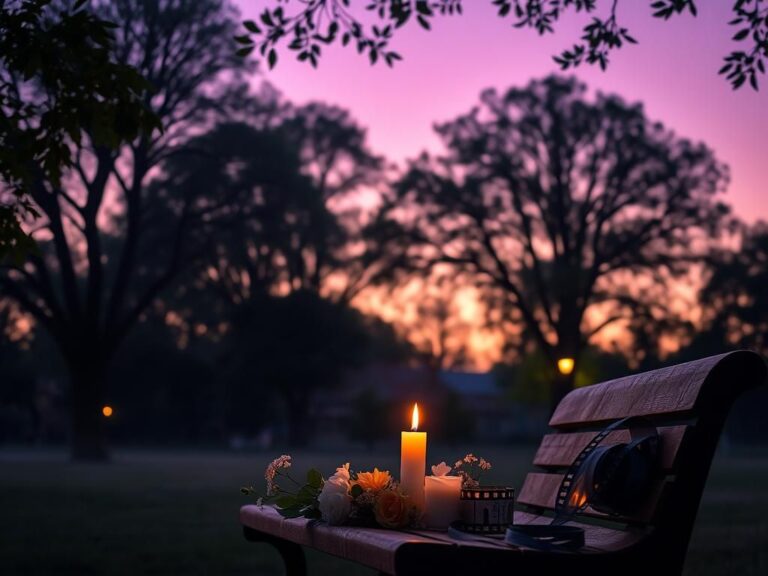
560 450
657 536
540 490
597 538
670 390
371 547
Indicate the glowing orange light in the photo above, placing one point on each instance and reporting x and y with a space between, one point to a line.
565 365
578 499
415 418
107 411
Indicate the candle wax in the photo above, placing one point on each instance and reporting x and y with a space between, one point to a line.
413 462
442 500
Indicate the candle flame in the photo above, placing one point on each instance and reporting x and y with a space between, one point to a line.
415 418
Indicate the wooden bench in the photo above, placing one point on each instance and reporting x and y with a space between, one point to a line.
688 403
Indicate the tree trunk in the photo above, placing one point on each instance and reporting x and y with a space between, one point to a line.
87 384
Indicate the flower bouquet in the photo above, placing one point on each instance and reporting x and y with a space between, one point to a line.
346 497
471 469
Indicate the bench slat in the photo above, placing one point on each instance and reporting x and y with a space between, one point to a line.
540 490
597 538
369 546
560 450
654 539
671 390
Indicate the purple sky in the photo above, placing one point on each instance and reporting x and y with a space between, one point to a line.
673 71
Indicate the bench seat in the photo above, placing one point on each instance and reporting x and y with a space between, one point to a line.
687 403
397 551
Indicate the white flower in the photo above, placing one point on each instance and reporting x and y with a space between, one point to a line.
441 469
343 472
335 507
334 500
336 484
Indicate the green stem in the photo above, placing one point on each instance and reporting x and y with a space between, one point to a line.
287 475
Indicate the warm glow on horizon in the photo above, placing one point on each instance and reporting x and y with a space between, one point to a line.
440 79
415 418
107 411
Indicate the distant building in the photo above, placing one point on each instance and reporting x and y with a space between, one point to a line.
494 417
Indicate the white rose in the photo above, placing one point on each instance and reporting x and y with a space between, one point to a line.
334 500
335 506
342 472
336 484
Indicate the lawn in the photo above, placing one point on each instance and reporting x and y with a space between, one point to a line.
176 512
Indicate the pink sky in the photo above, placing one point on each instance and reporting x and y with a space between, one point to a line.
673 71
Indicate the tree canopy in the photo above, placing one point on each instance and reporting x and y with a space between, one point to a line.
556 204
87 283
314 24
59 80
735 299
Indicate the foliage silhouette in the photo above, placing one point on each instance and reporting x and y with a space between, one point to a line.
59 79
317 23
297 345
735 299
368 422
555 204
86 301
288 232
297 231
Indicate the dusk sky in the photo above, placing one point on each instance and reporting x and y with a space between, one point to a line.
673 71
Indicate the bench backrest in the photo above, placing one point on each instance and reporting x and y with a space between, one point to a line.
688 403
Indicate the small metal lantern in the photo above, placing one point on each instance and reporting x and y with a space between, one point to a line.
487 509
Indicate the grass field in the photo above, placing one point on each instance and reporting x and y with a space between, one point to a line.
176 513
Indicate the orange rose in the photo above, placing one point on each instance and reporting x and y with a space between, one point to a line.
392 509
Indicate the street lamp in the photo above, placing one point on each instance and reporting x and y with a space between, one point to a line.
565 366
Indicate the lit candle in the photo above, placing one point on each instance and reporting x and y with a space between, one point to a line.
441 500
413 461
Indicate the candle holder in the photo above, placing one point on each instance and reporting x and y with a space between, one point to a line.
487 509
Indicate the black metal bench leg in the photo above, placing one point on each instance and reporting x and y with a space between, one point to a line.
291 553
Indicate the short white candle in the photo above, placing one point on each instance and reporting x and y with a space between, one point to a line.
442 500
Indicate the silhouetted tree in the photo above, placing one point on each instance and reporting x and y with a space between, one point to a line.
89 302
458 422
58 78
292 228
734 300
558 205
302 228
312 24
294 346
165 387
368 418
528 379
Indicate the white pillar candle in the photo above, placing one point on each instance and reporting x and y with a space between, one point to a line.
413 461
442 501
